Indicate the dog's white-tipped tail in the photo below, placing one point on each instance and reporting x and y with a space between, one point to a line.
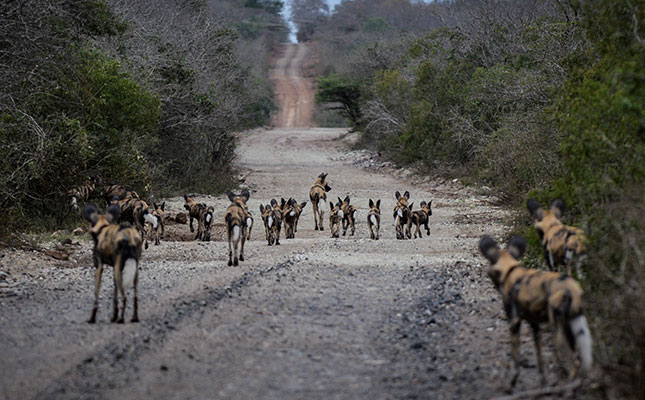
341 214
396 220
151 219
249 222
581 333
354 214
400 213
270 222
208 217
373 219
236 233
292 213
129 271
321 204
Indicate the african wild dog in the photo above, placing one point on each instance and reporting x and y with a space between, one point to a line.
159 213
108 192
421 217
137 212
206 216
402 212
194 212
291 214
80 194
268 217
563 244
235 219
374 219
120 247
279 216
335 217
349 215
318 197
537 297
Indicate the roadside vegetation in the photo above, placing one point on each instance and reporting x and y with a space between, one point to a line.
538 99
121 92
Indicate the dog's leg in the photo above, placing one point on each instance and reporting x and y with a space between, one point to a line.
135 315
516 323
115 302
538 349
118 283
427 229
98 271
191 224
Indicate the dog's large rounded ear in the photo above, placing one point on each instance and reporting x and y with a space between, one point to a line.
532 205
261 208
230 196
397 195
516 247
378 204
154 205
331 205
274 203
303 204
91 213
410 206
347 199
327 188
269 207
186 197
246 195
113 213
489 248
371 204
422 204
558 206
163 206
340 201
406 195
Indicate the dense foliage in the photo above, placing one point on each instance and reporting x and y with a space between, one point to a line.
112 92
531 98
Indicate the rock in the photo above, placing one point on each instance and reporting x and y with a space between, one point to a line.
181 218
66 242
60 233
59 255
78 231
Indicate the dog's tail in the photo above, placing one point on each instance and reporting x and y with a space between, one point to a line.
582 336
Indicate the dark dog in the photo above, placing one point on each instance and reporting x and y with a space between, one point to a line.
120 247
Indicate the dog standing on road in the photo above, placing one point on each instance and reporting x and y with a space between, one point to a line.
374 219
537 297
318 197
120 247
421 217
401 215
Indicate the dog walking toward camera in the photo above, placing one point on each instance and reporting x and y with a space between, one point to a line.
563 245
269 219
402 214
421 218
336 215
538 297
120 247
318 197
374 219
235 219
349 215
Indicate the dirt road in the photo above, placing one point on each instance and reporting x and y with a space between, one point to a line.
315 317
294 93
